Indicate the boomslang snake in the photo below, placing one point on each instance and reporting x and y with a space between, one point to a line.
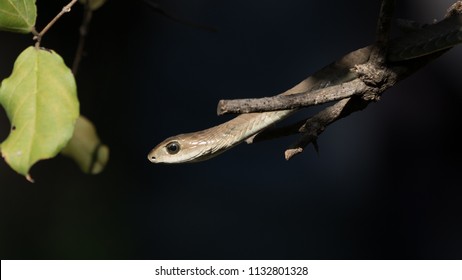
205 144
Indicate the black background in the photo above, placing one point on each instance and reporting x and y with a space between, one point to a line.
386 184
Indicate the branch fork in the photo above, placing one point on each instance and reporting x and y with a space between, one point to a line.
373 77
39 35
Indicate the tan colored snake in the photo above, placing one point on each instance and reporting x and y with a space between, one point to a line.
205 144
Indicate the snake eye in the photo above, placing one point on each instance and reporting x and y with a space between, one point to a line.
173 147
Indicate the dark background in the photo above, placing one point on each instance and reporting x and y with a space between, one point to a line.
386 184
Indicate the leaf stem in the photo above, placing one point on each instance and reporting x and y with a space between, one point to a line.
65 9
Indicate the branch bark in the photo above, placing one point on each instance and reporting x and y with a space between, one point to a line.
372 77
293 101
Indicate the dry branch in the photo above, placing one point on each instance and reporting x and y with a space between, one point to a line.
372 77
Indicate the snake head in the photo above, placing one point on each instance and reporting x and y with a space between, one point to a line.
182 148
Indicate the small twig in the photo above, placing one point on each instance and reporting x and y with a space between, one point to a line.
311 127
283 102
65 9
87 16
315 125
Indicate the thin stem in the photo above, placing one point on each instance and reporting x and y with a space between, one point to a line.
65 9
315 125
87 16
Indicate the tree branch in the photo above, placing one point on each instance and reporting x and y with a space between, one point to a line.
371 78
65 9
293 101
315 125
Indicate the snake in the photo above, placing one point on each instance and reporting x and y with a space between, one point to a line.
208 143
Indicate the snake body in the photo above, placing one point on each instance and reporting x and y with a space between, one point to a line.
205 144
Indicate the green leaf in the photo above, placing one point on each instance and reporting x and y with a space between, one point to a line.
40 99
86 149
17 15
